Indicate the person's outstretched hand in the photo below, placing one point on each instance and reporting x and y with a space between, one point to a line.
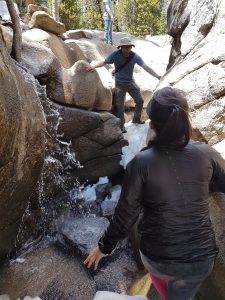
94 258
90 68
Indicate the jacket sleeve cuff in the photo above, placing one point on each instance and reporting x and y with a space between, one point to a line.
105 250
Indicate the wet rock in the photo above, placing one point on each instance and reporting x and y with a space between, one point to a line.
101 191
49 274
87 208
109 204
108 207
80 233
119 274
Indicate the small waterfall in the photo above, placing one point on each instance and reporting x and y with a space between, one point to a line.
52 192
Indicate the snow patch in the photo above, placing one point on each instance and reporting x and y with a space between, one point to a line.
136 135
114 296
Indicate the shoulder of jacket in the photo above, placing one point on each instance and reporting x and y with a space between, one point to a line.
205 149
144 155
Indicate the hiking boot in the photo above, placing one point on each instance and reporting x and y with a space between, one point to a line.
138 122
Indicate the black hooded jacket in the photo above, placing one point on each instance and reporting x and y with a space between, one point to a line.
171 187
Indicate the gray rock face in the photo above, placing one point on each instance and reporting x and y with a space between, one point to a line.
96 140
197 67
22 126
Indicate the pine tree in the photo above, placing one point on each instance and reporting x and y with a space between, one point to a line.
92 15
141 17
70 12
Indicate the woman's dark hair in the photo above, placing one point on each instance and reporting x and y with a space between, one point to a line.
168 111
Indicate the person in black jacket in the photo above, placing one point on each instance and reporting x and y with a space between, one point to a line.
170 181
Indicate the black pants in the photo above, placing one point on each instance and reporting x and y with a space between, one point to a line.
119 98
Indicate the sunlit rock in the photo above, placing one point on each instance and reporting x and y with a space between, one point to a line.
42 20
22 124
65 56
197 62
31 8
85 90
7 35
77 34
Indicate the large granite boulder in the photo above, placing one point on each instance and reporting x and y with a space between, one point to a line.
85 89
96 139
42 20
22 127
67 80
197 62
65 56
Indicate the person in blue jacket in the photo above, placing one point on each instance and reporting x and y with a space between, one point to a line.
124 60
170 182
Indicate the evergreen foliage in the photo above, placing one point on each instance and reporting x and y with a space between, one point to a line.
137 17
91 17
77 14
141 17
69 13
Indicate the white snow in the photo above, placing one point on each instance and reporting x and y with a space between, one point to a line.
220 147
89 193
136 136
100 295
